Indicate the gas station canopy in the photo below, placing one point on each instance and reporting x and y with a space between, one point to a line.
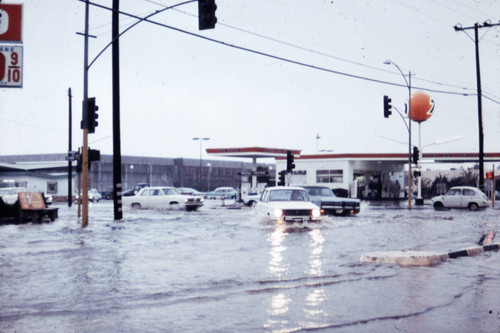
252 152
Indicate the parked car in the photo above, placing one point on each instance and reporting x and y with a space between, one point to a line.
287 204
93 195
135 190
331 204
251 199
107 193
222 192
461 197
191 191
9 194
162 197
49 199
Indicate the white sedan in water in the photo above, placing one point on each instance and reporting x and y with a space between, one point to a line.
461 197
287 204
162 197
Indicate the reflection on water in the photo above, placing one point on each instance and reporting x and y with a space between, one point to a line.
280 304
277 268
220 271
316 246
316 297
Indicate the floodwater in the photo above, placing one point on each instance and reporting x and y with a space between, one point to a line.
224 270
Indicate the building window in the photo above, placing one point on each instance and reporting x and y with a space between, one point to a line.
51 187
329 176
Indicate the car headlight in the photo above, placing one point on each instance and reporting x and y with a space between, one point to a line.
277 213
316 213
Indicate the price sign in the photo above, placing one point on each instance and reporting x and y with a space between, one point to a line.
11 66
11 16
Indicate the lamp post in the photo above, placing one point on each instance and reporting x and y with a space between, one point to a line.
408 84
201 168
209 173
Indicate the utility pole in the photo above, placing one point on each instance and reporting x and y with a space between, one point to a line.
85 149
117 159
70 158
476 27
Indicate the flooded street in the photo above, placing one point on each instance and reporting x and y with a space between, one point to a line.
224 270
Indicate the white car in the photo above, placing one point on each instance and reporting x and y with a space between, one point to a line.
287 204
222 193
162 197
94 195
9 194
251 199
461 197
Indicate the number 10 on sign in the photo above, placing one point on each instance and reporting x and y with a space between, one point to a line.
11 66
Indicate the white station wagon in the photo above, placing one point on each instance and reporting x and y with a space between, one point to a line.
461 197
161 197
287 204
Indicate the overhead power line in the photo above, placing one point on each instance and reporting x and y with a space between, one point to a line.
291 61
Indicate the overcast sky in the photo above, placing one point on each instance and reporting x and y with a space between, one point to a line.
176 86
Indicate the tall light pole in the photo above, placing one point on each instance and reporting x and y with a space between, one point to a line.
201 167
408 84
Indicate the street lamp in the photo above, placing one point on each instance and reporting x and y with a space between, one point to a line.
209 173
408 84
201 144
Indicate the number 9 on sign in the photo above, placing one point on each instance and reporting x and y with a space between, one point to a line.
11 66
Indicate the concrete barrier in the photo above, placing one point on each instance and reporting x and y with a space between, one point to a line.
422 258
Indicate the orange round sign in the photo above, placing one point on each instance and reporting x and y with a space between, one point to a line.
422 106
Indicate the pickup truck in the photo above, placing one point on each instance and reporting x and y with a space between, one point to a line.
329 203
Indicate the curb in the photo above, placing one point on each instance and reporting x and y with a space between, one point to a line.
419 258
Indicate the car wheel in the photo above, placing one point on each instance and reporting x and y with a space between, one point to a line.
473 206
136 205
438 205
174 205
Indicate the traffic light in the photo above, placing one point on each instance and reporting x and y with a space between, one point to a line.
206 14
92 115
415 154
282 178
489 175
94 155
79 162
89 115
289 161
387 106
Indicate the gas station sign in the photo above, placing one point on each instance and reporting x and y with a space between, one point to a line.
11 16
11 66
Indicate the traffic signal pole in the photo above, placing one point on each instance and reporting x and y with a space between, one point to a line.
85 152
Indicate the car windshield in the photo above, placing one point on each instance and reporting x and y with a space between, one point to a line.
288 195
320 191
